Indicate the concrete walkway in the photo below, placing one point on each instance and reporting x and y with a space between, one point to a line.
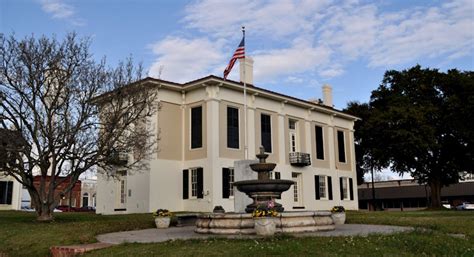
173 233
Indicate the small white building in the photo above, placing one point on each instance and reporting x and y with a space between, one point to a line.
10 193
201 131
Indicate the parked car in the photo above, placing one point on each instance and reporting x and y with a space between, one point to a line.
465 206
65 208
85 209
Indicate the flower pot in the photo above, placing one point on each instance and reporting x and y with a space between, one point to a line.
162 222
339 218
265 226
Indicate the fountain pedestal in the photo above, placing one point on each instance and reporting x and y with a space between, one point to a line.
263 189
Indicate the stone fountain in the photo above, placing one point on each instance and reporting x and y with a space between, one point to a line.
261 191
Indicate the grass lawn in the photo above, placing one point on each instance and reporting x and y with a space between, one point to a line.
20 235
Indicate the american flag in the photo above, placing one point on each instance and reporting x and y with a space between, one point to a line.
238 54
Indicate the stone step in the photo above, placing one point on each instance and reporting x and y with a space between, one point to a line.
76 250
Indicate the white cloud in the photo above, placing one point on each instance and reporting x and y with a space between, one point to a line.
185 59
287 38
60 10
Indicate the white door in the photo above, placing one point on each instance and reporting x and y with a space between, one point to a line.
297 196
121 192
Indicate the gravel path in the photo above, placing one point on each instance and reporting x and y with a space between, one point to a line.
161 235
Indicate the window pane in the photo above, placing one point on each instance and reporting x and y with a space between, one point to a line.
266 132
319 143
194 182
322 186
231 180
196 127
232 127
340 146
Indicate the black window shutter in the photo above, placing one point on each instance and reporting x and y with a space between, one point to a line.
185 184
341 189
351 189
330 187
277 175
200 183
225 182
9 192
316 186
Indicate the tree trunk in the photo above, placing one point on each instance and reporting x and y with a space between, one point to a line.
435 187
44 212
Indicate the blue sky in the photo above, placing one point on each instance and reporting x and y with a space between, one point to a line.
297 45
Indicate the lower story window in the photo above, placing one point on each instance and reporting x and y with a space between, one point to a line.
231 180
6 190
194 183
322 187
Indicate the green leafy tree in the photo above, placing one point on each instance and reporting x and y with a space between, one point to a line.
420 123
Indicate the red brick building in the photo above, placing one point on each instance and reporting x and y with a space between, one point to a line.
73 198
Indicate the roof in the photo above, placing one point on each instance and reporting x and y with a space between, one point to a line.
212 79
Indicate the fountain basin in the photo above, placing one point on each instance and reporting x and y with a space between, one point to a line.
243 223
255 186
263 167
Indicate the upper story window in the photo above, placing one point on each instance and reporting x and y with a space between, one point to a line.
292 135
196 127
232 127
319 143
341 146
266 132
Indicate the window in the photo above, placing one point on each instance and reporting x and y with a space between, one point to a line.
266 132
6 190
292 135
276 175
319 143
341 146
196 127
232 127
347 188
193 183
227 180
322 187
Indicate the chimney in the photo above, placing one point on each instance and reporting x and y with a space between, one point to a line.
327 95
247 65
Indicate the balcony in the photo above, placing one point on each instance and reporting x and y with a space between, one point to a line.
300 159
118 158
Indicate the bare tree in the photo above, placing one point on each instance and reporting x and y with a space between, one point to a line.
68 114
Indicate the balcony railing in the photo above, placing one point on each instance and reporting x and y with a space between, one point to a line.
300 159
118 158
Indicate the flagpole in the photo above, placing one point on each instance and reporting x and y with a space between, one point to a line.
246 150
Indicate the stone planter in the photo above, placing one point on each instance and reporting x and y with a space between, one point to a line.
339 218
265 226
162 222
